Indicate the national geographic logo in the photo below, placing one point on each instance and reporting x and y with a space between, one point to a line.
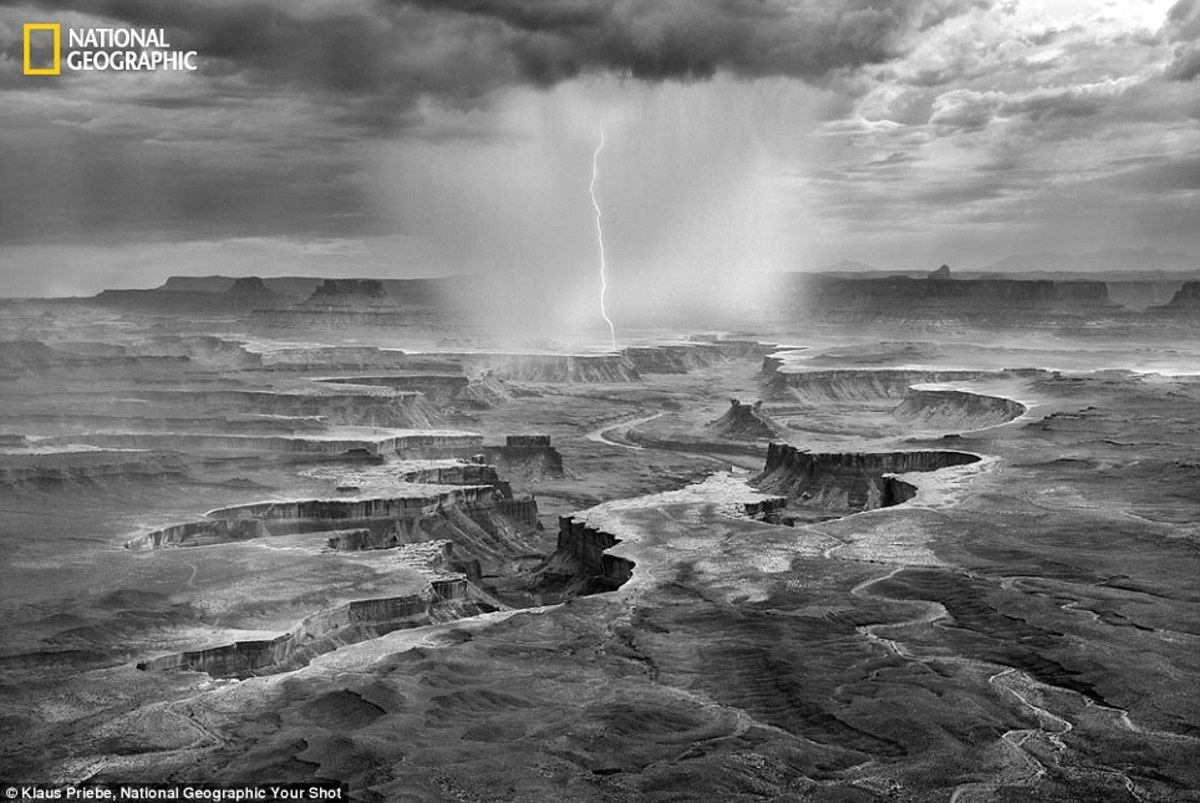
39 30
101 50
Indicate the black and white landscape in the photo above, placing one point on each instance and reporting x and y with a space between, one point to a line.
607 401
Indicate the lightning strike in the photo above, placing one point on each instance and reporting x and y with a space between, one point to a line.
600 239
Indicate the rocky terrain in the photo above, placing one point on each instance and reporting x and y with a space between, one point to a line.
1071 304
295 531
745 422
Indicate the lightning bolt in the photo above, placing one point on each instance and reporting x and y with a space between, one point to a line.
600 239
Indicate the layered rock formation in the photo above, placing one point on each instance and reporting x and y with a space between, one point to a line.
403 291
202 352
251 291
459 473
322 632
485 525
526 457
347 303
22 358
527 441
202 294
197 284
190 353
557 367
449 388
200 533
940 298
49 468
847 482
342 404
823 386
334 294
439 388
582 553
745 422
412 443
674 358
294 513
1185 303
957 409
1141 295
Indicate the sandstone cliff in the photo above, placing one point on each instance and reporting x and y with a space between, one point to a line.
822 386
582 550
940 299
745 422
359 620
1185 303
526 457
348 294
956 409
847 482
674 358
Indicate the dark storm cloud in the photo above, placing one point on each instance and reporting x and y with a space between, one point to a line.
460 50
285 83
659 39
1183 28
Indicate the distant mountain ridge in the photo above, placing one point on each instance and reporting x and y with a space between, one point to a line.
1144 260
1129 263
294 288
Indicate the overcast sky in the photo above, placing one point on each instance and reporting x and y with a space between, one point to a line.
357 138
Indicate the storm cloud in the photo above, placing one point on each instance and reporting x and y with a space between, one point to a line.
459 51
448 136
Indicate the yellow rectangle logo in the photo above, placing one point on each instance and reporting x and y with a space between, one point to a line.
56 30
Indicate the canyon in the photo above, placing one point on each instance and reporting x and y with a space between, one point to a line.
919 538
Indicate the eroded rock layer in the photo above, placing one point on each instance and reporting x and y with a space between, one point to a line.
957 408
745 422
848 481
820 387
582 553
